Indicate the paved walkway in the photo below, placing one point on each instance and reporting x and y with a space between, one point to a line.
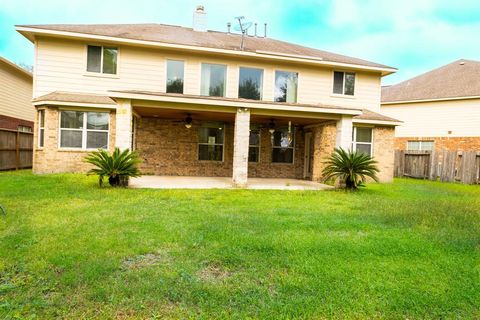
176 182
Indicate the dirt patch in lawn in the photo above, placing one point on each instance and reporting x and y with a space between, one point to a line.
213 273
146 260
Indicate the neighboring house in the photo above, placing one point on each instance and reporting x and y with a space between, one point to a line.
440 109
16 110
193 103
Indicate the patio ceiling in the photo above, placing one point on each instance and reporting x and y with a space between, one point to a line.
179 115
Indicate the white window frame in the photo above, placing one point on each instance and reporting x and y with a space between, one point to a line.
101 73
166 73
343 84
262 84
84 130
225 94
292 147
206 125
354 140
275 83
256 145
40 128
420 143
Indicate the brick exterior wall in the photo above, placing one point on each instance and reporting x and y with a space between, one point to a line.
443 143
324 141
50 159
11 123
168 148
383 152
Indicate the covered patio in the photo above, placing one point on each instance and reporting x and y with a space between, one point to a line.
209 142
185 182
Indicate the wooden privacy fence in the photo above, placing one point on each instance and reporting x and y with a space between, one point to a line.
447 166
16 149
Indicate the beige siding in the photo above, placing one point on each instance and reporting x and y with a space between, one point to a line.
436 119
15 93
61 66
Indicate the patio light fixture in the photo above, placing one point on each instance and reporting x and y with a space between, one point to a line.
188 121
271 126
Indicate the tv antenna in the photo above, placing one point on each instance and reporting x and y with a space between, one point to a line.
243 27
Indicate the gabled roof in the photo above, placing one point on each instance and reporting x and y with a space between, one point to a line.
169 34
15 67
459 79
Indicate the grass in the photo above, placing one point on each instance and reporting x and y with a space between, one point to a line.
69 249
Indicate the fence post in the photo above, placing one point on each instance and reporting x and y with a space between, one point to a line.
17 151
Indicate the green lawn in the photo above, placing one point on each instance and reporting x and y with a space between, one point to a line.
70 249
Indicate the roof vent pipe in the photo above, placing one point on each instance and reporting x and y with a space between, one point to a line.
255 29
228 27
200 19
265 30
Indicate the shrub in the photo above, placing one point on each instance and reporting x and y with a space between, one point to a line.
352 168
118 166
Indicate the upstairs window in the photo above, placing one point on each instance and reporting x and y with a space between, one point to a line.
210 142
282 145
41 128
102 59
175 74
344 83
420 145
213 80
286 84
362 140
254 145
84 130
250 83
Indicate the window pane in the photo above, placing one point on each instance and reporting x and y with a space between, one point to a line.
71 139
254 137
97 140
210 152
41 118
94 58
427 145
281 138
41 137
364 134
71 120
413 145
110 60
213 80
350 84
253 154
175 75
364 148
211 135
250 83
286 86
338 82
280 155
97 120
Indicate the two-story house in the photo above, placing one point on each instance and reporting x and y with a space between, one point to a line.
195 102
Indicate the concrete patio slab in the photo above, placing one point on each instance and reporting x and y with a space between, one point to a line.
178 182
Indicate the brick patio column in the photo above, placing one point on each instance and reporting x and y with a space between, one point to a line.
240 147
344 133
123 131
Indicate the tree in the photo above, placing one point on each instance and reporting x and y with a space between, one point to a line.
249 90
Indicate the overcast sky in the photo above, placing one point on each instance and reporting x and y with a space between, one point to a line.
411 35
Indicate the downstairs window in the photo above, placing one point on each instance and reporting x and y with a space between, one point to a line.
84 130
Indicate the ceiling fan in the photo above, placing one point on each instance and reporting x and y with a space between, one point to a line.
187 121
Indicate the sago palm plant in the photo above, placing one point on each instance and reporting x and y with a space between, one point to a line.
118 166
353 168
